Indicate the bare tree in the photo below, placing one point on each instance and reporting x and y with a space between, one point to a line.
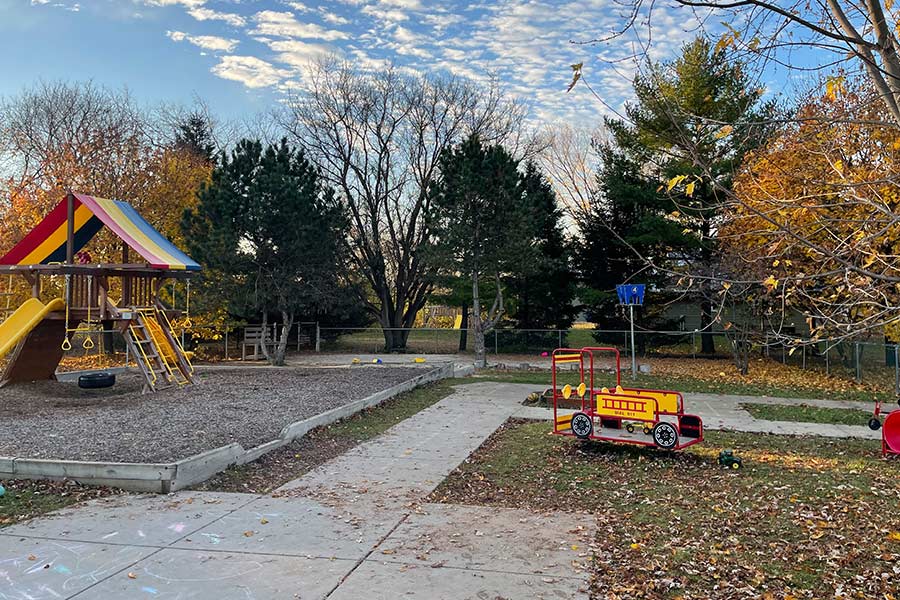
571 159
377 137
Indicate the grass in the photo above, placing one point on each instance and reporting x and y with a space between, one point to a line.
26 499
807 414
804 518
688 384
324 443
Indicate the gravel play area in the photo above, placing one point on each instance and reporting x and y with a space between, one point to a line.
249 406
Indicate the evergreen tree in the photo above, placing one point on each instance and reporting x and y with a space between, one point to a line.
693 118
269 232
543 289
194 134
480 229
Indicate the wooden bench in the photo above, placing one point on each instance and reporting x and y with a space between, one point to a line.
254 337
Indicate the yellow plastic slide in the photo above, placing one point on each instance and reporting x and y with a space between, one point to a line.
20 323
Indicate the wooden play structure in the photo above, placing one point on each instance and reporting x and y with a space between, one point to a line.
618 414
38 333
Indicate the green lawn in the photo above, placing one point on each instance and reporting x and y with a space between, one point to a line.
808 414
541 379
804 518
26 499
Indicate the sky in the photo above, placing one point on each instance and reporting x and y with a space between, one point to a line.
242 56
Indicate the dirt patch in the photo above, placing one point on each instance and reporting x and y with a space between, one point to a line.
249 406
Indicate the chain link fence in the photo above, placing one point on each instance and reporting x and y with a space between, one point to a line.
867 361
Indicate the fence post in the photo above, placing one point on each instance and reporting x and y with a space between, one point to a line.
827 364
803 348
783 354
694 344
897 369
856 356
496 352
226 344
559 345
318 336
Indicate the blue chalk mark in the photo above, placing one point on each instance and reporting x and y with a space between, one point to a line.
62 569
150 590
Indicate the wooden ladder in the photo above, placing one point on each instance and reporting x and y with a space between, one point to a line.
158 371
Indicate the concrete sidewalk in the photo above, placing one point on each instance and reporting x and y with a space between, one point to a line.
355 528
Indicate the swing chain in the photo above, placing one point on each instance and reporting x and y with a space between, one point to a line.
88 343
67 343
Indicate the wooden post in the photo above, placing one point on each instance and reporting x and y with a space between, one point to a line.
70 228
36 286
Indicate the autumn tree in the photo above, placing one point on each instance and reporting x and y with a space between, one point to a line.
57 137
269 231
377 137
815 214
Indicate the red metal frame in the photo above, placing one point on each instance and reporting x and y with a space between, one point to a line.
588 402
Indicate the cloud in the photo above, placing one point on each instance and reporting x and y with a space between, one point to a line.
186 3
283 24
384 14
250 71
333 18
407 4
208 14
297 53
207 42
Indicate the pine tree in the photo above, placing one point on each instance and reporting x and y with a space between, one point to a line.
268 231
480 229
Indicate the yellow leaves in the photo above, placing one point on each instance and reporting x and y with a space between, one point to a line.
726 285
675 181
770 283
894 536
576 75
635 546
839 166
689 189
724 131
834 87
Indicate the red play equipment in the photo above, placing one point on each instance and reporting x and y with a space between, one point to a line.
890 429
620 414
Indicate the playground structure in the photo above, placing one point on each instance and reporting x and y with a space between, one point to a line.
38 333
619 414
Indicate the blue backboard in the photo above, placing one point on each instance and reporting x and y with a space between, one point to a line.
631 293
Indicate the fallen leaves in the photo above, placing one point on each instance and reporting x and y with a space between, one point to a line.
808 518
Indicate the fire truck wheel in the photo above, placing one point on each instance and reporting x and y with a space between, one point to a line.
665 435
629 428
582 425
874 424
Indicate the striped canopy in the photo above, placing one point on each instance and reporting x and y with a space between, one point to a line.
46 243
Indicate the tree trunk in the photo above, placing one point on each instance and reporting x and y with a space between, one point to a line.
265 330
464 329
281 348
477 325
707 342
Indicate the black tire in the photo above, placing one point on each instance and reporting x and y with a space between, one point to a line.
874 424
93 381
665 435
629 428
582 426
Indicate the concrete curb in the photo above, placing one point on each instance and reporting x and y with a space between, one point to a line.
170 477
